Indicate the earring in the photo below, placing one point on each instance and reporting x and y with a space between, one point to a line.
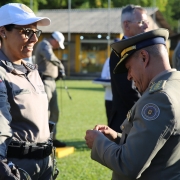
4 36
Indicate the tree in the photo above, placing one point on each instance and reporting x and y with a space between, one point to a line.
26 2
172 13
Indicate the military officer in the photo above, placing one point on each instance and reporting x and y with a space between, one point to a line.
24 130
149 146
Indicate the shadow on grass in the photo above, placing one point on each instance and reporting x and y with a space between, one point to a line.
84 88
78 145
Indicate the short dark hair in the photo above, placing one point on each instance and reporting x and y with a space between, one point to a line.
9 27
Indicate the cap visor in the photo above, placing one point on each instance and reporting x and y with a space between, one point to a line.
120 45
120 67
61 45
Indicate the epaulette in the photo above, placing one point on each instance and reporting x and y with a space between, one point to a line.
158 86
31 66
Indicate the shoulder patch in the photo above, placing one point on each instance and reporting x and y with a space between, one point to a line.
157 86
150 111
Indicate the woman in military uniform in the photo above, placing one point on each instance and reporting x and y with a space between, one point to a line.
25 136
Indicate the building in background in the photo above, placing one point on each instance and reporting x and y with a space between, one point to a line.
88 34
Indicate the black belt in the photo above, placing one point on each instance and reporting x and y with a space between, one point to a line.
44 77
32 151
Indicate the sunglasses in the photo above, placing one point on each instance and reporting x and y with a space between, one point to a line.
28 32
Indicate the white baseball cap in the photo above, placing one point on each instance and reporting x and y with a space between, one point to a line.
59 37
20 14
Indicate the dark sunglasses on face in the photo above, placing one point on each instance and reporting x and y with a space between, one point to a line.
28 32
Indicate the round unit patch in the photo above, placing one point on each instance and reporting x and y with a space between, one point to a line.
150 111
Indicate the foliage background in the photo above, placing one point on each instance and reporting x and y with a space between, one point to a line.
169 9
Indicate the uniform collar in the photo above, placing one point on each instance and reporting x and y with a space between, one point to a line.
4 59
29 66
160 76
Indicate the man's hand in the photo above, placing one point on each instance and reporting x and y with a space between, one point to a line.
107 131
8 172
99 130
91 136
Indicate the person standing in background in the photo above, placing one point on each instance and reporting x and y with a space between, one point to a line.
49 67
106 78
134 20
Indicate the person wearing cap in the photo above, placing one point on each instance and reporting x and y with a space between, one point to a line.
149 145
134 20
24 131
49 67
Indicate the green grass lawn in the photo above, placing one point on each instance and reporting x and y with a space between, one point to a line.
84 111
